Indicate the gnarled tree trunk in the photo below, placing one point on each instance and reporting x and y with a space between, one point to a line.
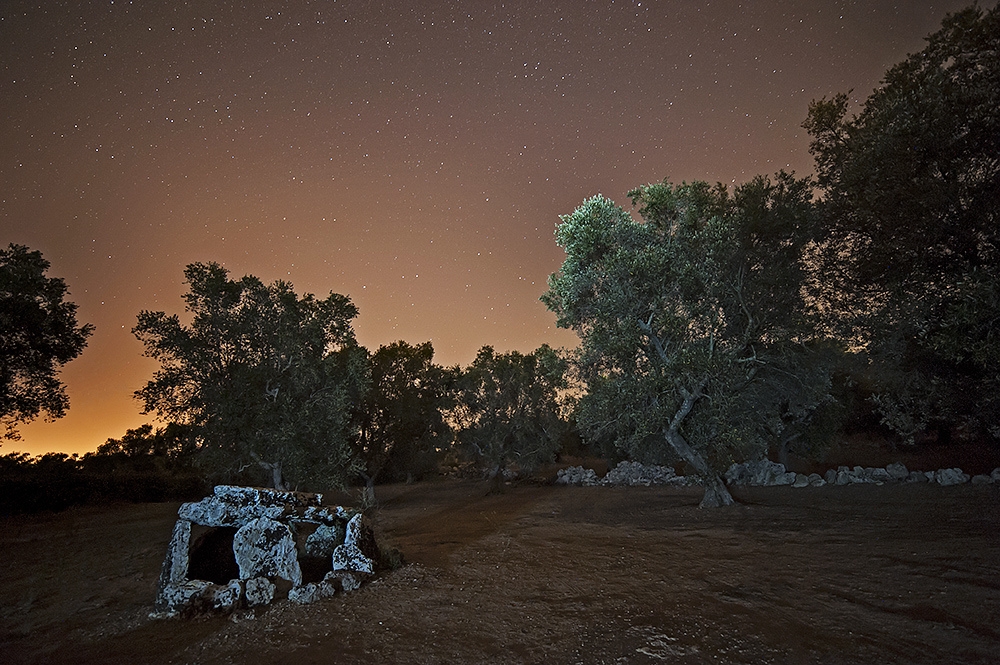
716 493
496 476
274 468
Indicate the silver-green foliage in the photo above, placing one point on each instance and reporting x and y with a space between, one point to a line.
695 337
508 409
263 377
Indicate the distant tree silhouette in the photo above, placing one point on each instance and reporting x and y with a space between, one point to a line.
400 416
38 335
507 409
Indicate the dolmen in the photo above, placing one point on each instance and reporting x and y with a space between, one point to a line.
244 547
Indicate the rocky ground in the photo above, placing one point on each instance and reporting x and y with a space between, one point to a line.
905 573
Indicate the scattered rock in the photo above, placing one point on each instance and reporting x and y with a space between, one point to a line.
981 479
310 593
347 580
897 471
324 540
626 474
948 477
634 474
259 591
765 473
577 475
759 473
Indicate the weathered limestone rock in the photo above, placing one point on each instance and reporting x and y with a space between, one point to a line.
347 580
175 565
948 477
235 506
981 479
577 475
801 480
359 552
310 593
917 477
226 598
324 540
350 558
259 591
897 471
625 474
878 475
995 475
759 473
249 534
196 596
636 474
816 480
266 548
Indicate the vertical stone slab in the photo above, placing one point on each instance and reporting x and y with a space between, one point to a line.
175 565
266 548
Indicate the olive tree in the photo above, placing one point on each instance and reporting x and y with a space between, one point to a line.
507 409
400 416
696 344
263 377
911 242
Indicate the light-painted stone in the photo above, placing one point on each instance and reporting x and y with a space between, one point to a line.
324 540
266 548
259 591
310 593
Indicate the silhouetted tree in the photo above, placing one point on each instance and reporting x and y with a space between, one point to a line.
38 335
910 257
507 409
401 421
261 376
696 344
171 441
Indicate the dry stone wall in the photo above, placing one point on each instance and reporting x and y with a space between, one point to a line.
765 473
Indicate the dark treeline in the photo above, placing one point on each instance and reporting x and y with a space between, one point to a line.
716 325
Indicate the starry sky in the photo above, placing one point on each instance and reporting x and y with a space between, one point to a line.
414 155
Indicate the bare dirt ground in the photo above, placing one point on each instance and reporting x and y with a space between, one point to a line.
546 574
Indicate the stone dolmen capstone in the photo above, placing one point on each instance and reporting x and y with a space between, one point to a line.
246 546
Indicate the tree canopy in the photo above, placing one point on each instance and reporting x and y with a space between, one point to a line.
38 335
507 409
911 242
262 376
401 421
695 340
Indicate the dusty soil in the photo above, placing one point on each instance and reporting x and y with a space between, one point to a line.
860 574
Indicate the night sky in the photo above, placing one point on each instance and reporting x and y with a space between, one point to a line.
412 155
